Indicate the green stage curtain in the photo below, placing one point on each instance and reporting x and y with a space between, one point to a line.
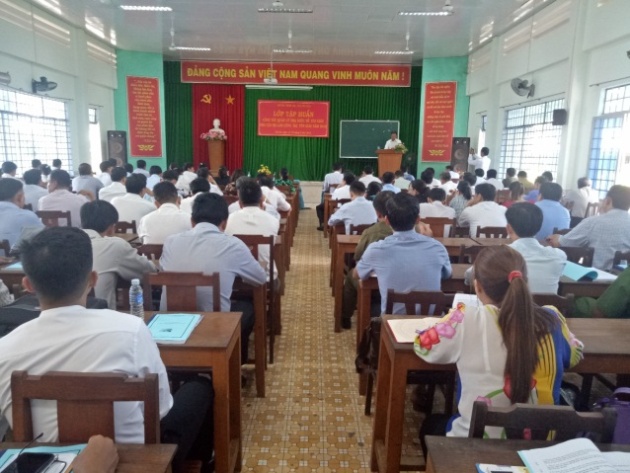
178 113
311 158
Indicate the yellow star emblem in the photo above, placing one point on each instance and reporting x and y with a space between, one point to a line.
230 100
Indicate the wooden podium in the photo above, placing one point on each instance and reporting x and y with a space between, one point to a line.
388 160
216 155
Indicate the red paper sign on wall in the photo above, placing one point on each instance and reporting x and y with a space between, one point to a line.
145 130
439 120
293 118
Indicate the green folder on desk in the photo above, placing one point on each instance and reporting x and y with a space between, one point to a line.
173 329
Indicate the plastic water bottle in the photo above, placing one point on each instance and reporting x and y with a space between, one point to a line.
136 299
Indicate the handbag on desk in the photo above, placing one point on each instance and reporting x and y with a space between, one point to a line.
620 402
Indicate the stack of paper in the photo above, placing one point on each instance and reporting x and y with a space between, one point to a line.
405 330
173 329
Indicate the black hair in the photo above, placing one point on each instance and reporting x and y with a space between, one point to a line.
113 161
426 176
118 174
479 172
492 173
98 215
155 170
348 177
62 178
85 169
58 262
35 163
187 166
418 185
105 165
199 185
9 188
464 189
135 184
373 189
522 174
445 176
45 168
470 178
449 168
388 177
336 166
357 187
431 171
223 172
8 167
170 175
266 181
33 176
368 170
485 151
619 196
437 194
510 172
547 175
402 212
540 180
141 164
165 193
487 191
203 172
525 219
56 163
249 192
128 167
398 173
583 182
210 208
380 202
551 191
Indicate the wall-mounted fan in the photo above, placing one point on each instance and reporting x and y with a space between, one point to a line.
522 88
43 85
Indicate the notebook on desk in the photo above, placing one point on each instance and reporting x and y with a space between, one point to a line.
173 329
578 272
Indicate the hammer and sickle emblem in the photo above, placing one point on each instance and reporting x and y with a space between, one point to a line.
206 99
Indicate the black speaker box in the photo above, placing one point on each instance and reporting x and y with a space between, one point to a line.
117 146
459 153
559 117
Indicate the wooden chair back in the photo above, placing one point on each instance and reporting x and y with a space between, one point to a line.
492 232
438 225
560 231
503 195
459 232
4 245
51 218
563 304
468 254
535 422
181 289
254 242
126 227
151 251
617 259
286 190
592 209
359 229
424 299
85 403
579 255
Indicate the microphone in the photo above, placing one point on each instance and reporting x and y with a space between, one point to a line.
28 445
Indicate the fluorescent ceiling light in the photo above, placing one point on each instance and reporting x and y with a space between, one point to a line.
424 13
406 52
293 51
145 8
279 87
188 48
285 10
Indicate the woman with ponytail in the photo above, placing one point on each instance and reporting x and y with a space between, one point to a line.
507 350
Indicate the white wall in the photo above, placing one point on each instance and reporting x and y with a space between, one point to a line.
567 50
34 43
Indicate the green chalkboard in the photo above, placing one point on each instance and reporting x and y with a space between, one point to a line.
361 138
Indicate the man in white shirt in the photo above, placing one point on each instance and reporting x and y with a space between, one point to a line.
483 211
141 168
480 162
480 173
9 170
273 195
343 191
393 141
117 187
359 211
34 188
333 178
204 173
400 181
580 197
492 179
60 198
186 177
435 205
167 220
446 184
131 206
454 175
368 176
105 175
14 220
68 337
155 176
86 182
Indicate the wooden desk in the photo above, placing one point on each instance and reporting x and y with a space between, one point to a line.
495 451
582 288
131 238
215 345
327 198
453 245
491 241
606 350
154 458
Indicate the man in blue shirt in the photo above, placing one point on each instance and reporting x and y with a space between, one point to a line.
406 261
13 218
388 183
359 211
555 215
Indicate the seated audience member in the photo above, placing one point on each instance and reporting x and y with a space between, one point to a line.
447 185
368 176
405 261
606 233
224 176
197 187
527 185
113 257
480 173
9 170
555 215
516 194
388 183
155 177
372 190
131 206
167 220
68 337
86 182
419 189
530 346
359 211
186 177
580 198
206 248
492 179
428 176
35 163
267 207
141 168
230 188
400 181
548 176
435 205
532 196
333 178
105 175
204 173
510 177
461 198
407 174
61 198
34 188
376 232
13 218
471 179
45 172
129 168
56 164
251 219
343 190
117 187
452 172
482 210
614 303
272 195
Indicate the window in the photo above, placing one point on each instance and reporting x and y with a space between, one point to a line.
481 139
33 127
96 150
609 157
530 142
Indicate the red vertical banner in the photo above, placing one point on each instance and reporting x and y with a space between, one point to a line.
439 120
145 129
227 103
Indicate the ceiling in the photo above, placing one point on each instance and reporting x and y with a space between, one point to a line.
344 31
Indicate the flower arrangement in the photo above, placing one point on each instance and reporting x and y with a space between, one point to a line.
401 148
263 169
214 135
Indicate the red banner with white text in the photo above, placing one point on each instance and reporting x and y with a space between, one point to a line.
439 120
293 118
145 129
296 74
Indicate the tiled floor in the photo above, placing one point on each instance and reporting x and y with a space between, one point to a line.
312 417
